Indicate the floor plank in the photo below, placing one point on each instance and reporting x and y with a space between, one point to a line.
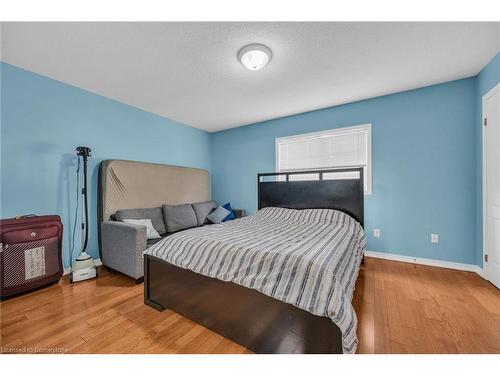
401 308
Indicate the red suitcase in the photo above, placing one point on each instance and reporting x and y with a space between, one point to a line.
30 253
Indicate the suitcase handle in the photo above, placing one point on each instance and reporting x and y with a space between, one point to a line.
25 216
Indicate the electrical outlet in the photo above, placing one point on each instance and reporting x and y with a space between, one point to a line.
376 233
434 238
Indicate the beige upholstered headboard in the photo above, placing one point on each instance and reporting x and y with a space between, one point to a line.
132 184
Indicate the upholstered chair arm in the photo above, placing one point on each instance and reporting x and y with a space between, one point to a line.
122 247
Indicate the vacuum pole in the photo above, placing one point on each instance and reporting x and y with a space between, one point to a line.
84 152
85 203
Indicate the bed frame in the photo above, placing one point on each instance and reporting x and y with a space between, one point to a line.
246 316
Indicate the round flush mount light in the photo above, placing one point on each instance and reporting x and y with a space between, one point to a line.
254 56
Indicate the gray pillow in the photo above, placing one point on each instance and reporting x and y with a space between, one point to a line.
179 217
154 214
202 209
218 215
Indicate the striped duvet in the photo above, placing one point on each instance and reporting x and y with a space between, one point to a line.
308 258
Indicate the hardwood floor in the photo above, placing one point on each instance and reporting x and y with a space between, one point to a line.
401 308
408 308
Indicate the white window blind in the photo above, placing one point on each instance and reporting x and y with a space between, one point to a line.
336 148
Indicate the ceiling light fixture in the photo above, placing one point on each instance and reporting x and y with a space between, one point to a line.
254 56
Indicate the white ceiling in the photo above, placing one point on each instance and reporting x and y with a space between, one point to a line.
189 72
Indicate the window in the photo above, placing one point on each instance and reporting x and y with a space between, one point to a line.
337 148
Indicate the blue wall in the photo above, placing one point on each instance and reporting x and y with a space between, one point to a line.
43 120
487 79
424 166
426 156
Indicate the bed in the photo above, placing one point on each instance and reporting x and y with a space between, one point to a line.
279 281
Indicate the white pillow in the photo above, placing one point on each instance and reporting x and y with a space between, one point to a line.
151 232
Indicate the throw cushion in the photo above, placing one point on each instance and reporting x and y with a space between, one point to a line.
202 209
232 215
154 214
151 232
218 215
179 217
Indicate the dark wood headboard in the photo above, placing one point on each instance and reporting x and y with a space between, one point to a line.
343 194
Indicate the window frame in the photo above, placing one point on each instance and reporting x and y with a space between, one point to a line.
336 131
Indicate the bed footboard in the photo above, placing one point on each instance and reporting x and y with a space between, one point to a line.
245 316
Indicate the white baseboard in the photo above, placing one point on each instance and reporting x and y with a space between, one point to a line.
67 270
426 262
